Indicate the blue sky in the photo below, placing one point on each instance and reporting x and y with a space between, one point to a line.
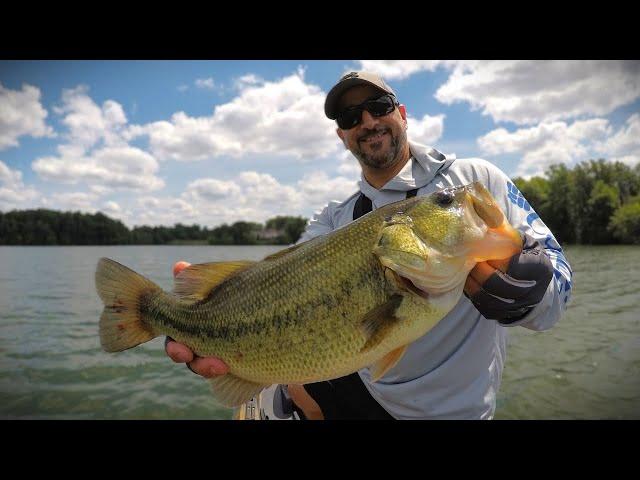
160 142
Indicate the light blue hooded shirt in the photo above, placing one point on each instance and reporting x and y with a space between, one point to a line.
453 371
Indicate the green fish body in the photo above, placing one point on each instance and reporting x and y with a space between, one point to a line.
322 309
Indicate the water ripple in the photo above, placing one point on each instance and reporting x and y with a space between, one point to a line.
52 366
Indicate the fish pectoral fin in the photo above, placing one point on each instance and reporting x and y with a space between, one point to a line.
386 363
196 281
232 391
376 322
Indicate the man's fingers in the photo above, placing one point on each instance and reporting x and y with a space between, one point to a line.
179 266
471 287
481 272
208 367
178 352
501 265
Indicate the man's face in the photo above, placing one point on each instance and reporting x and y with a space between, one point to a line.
375 141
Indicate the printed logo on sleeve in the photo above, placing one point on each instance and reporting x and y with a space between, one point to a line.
561 269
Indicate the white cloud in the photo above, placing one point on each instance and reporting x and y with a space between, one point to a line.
624 145
277 118
317 189
263 192
183 88
14 194
400 69
118 167
528 92
23 198
100 190
21 113
205 83
249 196
89 123
349 166
73 201
547 143
246 81
111 208
9 177
426 131
212 189
96 152
165 211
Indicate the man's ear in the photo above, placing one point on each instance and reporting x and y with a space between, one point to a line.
341 135
403 111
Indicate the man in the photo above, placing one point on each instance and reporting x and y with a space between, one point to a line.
454 371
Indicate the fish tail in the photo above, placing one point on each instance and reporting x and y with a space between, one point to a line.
123 292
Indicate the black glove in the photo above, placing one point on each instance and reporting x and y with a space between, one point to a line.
508 297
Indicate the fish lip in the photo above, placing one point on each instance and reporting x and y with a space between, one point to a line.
381 254
484 205
412 287
405 283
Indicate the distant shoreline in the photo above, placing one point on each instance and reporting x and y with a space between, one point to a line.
42 227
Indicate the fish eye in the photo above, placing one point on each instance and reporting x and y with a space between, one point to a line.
444 198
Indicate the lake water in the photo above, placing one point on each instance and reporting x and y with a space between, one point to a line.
52 366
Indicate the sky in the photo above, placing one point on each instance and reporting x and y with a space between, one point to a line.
212 142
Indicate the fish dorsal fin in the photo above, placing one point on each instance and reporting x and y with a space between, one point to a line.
376 322
232 391
386 363
196 281
282 252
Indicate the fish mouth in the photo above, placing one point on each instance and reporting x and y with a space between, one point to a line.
505 239
404 283
484 205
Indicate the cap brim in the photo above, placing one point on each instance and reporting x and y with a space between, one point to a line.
333 97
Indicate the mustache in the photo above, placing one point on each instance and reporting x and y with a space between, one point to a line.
370 133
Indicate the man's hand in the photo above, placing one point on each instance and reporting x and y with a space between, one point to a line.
506 290
208 367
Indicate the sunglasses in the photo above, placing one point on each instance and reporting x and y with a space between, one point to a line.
377 107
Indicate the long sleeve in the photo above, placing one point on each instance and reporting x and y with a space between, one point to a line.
319 224
523 217
333 216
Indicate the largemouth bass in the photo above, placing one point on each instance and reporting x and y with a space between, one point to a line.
322 309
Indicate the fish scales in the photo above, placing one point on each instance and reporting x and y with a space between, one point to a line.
301 303
353 298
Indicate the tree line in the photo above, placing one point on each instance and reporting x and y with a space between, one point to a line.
595 202
51 227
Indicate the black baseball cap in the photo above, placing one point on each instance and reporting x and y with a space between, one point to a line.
349 80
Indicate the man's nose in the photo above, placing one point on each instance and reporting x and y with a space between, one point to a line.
368 120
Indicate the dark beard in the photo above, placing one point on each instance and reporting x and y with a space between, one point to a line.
385 161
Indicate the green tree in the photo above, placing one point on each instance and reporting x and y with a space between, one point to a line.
557 215
245 233
536 191
603 202
291 227
625 222
222 235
